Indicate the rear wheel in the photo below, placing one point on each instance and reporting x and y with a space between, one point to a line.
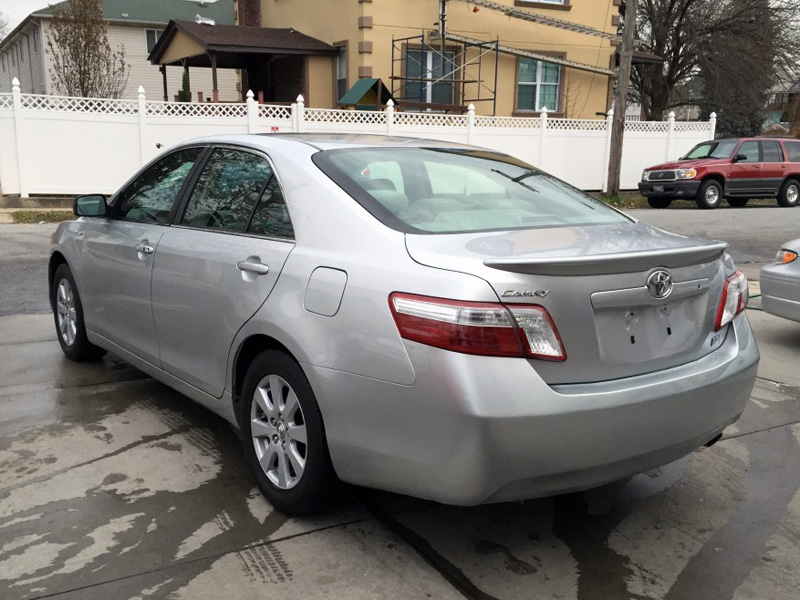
738 202
789 194
709 196
659 202
68 314
284 436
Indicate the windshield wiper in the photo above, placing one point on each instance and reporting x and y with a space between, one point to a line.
519 179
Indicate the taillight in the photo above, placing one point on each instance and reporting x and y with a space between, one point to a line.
484 328
734 299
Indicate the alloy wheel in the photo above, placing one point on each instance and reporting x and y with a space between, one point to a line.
278 430
66 313
712 195
792 193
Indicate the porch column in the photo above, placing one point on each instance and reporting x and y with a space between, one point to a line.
214 76
163 70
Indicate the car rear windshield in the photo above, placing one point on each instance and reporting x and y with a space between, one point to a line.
721 149
445 190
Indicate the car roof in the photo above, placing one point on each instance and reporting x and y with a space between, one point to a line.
329 141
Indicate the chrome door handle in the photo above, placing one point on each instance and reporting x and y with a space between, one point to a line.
253 266
79 233
145 248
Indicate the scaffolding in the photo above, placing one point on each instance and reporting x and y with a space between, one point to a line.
415 76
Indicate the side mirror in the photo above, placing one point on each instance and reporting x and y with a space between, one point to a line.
90 205
740 157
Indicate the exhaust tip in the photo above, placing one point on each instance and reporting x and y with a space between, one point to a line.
713 441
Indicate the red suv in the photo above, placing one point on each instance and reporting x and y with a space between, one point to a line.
735 169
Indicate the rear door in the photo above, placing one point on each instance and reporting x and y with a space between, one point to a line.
745 175
118 255
218 263
773 167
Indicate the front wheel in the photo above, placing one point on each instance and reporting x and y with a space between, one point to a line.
68 314
284 437
738 202
659 202
789 194
709 196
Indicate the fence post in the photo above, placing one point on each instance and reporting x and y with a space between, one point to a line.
300 114
712 120
142 125
670 135
470 122
542 136
609 123
252 112
389 116
16 95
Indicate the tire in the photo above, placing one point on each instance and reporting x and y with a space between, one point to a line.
789 195
659 202
68 316
709 196
308 483
738 202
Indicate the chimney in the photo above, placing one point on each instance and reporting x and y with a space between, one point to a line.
248 12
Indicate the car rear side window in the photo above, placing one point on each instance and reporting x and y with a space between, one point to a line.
793 150
454 190
150 197
271 217
227 191
771 152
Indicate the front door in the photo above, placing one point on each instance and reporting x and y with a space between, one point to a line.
218 264
773 167
118 254
746 173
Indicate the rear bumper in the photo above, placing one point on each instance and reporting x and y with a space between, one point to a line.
472 429
669 189
780 291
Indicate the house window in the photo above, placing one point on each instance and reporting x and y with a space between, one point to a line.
537 85
341 72
152 36
21 53
423 69
36 39
13 58
4 63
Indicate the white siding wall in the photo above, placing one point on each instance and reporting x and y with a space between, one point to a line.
26 64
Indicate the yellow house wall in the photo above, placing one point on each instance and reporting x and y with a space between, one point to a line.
582 94
319 82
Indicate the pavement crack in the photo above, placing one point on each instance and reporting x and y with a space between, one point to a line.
147 439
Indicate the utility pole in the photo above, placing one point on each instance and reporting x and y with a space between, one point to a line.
443 33
621 96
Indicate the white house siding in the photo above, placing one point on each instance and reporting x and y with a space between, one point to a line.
27 64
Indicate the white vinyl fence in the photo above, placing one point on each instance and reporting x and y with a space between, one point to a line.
58 145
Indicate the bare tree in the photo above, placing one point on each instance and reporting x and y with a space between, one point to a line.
4 28
84 64
684 32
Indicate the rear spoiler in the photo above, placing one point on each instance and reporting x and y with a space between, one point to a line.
608 264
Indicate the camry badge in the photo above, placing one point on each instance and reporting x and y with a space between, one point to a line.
659 284
525 293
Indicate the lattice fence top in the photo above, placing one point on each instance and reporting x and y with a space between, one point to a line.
692 127
430 120
6 101
508 122
577 124
270 111
336 115
196 109
646 126
86 105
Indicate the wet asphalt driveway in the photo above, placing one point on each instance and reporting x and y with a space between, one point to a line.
114 486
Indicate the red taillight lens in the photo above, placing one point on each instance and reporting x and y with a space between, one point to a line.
734 300
484 328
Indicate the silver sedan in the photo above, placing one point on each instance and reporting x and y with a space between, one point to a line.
432 319
780 283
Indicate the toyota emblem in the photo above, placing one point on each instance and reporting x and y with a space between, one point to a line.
659 284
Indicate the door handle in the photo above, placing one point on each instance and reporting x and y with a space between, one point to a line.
253 265
145 248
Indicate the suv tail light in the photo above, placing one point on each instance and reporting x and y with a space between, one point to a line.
734 299
484 328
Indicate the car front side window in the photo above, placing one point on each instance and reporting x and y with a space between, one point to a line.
227 191
150 197
750 150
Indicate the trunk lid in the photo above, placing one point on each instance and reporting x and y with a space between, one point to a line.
594 282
